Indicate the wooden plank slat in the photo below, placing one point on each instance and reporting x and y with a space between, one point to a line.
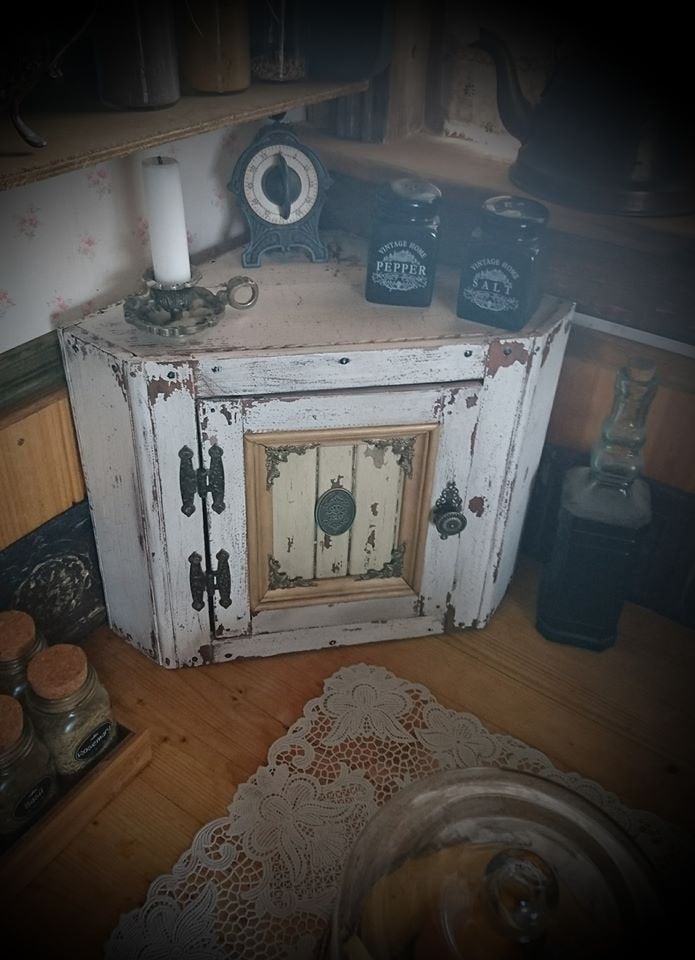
40 470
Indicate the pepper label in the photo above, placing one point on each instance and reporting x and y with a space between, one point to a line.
33 799
93 743
400 265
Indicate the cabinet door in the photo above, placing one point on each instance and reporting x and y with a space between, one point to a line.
328 512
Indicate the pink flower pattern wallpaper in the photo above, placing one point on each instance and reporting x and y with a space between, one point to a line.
76 242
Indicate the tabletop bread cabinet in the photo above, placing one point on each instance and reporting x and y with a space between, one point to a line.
316 470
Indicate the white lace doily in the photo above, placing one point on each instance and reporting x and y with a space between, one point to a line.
259 884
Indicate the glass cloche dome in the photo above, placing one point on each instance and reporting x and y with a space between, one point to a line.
481 864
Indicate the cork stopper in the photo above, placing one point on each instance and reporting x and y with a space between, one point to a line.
11 721
17 634
57 672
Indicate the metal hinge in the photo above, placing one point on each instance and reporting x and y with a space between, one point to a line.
209 581
201 481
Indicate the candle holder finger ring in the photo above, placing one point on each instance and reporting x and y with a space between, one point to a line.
238 283
182 309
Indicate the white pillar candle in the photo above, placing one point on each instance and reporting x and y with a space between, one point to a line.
167 221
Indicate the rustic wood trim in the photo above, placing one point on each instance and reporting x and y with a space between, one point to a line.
40 469
412 529
30 370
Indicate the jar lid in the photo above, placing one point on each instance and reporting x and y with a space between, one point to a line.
17 634
57 672
11 721
410 196
518 217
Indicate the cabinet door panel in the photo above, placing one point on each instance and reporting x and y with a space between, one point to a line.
339 490
335 471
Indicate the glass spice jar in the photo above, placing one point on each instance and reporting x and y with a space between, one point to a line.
500 273
404 244
19 642
27 774
70 708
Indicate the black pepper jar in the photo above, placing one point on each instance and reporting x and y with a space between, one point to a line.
500 274
402 258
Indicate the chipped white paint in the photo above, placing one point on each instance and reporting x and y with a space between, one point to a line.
293 371
293 499
335 470
221 423
515 404
311 356
378 482
316 638
102 419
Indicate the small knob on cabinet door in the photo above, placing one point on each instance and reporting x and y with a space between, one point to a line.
446 515
449 524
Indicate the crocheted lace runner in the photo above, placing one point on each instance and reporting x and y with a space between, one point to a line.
259 883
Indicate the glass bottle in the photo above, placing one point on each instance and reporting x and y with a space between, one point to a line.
277 54
136 55
70 708
500 271
27 774
19 642
404 244
605 509
215 45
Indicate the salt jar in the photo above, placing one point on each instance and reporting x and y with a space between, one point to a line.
19 642
70 707
500 274
27 774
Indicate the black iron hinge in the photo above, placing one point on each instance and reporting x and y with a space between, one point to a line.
201 481
209 581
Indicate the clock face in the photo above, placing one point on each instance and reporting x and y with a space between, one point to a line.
280 184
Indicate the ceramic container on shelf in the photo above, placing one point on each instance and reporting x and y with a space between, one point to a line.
481 864
500 274
402 257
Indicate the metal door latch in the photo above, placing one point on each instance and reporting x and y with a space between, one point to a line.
207 581
202 481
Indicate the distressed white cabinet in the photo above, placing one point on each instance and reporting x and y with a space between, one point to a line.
296 476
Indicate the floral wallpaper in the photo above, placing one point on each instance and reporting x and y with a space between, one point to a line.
79 241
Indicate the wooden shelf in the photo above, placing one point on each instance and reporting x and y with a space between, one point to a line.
91 134
75 807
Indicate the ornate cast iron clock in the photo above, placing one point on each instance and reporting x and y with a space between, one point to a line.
281 185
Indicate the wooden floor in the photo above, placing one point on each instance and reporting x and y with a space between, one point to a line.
623 717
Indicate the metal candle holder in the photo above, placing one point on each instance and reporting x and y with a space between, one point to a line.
182 309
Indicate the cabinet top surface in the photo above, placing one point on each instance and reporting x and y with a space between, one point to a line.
304 307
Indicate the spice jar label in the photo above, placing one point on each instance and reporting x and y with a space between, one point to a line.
93 743
491 285
400 265
33 799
